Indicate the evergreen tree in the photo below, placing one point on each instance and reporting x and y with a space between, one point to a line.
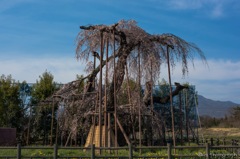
11 109
43 88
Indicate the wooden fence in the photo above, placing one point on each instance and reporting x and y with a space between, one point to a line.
218 142
198 152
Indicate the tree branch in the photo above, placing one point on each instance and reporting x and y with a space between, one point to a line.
160 100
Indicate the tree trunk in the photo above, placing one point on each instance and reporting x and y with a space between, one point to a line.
119 73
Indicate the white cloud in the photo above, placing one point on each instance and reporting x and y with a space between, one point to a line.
29 69
215 70
185 4
220 80
213 8
217 11
6 4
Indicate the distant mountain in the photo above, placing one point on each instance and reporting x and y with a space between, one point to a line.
214 108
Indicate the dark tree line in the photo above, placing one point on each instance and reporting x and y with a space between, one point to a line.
20 109
229 121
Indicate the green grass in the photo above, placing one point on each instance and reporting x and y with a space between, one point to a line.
74 152
44 152
8 152
77 152
123 152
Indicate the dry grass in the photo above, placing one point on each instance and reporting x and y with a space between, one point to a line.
220 132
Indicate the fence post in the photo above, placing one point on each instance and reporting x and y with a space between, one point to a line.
169 146
18 151
207 151
197 141
211 141
130 151
217 141
92 151
55 151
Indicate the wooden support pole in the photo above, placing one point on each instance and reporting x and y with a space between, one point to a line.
132 106
56 136
105 103
171 100
152 106
100 94
109 130
29 124
96 102
115 100
121 128
51 142
139 102
187 120
181 118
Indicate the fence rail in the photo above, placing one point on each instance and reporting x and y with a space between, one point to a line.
171 152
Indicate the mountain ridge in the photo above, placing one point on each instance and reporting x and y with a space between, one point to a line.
214 108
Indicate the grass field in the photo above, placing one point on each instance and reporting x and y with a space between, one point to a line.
220 132
228 133
70 153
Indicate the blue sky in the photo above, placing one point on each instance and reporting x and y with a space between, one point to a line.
39 35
